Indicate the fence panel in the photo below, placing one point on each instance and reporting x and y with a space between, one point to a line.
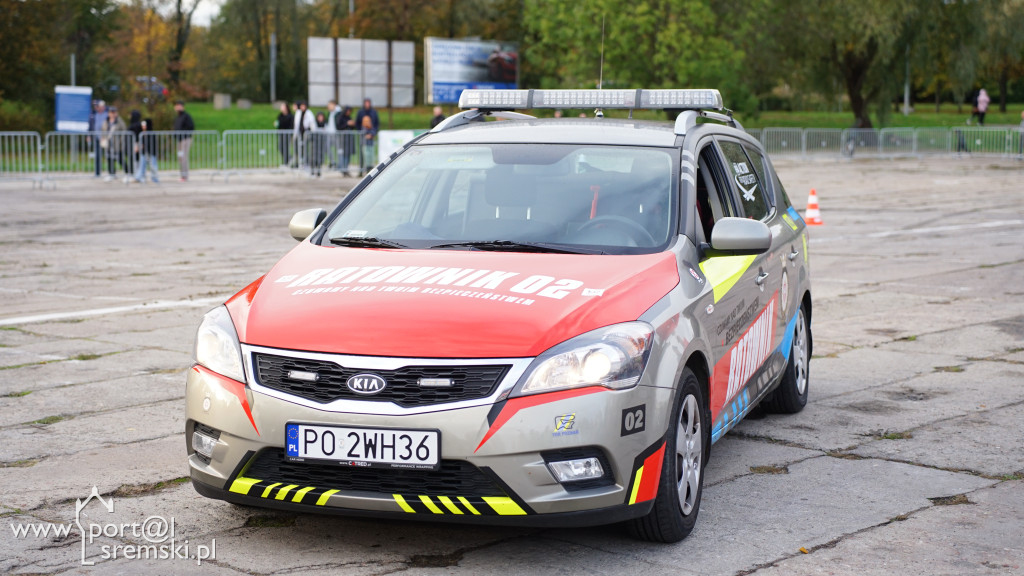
823 141
258 150
755 132
20 156
986 141
861 141
179 153
782 140
89 154
932 140
898 142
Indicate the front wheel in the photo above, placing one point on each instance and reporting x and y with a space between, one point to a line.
682 473
791 395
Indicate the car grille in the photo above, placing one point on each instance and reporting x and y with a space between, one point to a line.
403 388
455 477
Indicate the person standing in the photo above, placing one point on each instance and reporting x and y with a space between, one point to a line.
344 124
438 117
368 123
983 101
331 133
183 128
147 153
96 121
285 121
318 144
304 123
114 138
135 126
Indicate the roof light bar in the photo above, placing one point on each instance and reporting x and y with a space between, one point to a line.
700 99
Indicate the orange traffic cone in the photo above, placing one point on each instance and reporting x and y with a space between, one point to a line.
813 215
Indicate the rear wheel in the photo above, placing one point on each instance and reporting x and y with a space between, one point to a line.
682 473
791 395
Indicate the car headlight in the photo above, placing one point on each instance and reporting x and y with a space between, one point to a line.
217 345
613 357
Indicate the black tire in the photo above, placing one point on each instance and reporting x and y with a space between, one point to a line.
791 395
682 473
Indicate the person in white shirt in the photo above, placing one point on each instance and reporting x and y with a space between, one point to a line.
304 122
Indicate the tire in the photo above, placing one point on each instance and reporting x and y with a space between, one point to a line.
791 395
682 473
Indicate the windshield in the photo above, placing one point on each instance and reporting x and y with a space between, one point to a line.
566 198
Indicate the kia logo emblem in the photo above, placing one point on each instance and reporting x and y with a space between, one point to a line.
366 384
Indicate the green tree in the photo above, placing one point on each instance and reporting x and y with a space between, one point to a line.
1002 53
647 43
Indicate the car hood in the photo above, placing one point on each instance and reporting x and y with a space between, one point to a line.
443 303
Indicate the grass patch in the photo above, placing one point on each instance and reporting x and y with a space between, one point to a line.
436 560
128 491
949 368
845 456
268 521
84 357
26 463
951 500
49 420
908 338
896 436
10 328
769 470
10 512
17 394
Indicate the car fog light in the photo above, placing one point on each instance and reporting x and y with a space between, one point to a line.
203 444
575 470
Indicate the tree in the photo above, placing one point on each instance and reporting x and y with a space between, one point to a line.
181 22
647 43
1002 54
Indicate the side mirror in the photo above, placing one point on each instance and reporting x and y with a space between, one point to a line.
304 222
739 236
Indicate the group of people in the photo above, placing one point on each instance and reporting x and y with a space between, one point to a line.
334 136
135 153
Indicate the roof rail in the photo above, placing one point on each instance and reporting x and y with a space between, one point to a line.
463 118
688 119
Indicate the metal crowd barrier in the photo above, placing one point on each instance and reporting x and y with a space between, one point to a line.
63 155
20 156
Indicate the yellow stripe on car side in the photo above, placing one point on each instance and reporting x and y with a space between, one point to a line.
242 485
504 506
301 493
430 505
636 485
468 506
266 491
283 492
325 496
401 502
723 272
449 504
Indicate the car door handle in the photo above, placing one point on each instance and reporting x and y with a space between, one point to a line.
793 255
761 278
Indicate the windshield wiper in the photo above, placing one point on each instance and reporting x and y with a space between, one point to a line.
514 246
360 242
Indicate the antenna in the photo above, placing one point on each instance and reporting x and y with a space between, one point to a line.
600 79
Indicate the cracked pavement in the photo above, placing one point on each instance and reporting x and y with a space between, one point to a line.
908 459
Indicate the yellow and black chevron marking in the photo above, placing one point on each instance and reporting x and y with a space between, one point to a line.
473 506
458 505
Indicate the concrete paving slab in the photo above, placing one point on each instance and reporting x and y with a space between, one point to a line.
93 397
979 538
853 419
113 367
135 424
732 457
57 479
867 368
977 341
31 554
985 442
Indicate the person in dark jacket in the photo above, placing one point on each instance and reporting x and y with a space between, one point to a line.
285 121
368 123
135 126
344 124
147 152
318 145
183 126
438 117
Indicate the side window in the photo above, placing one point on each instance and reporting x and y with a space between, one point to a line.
713 201
752 197
757 162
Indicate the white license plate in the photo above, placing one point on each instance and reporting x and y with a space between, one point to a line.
370 447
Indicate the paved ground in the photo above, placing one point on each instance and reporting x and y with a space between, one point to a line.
908 459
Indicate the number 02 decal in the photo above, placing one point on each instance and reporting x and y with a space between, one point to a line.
634 419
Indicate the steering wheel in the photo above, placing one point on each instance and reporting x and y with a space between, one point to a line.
636 232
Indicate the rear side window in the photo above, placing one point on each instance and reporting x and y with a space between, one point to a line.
748 182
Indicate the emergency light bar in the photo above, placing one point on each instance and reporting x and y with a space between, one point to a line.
702 99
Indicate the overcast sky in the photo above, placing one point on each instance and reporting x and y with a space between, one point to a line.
206 11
